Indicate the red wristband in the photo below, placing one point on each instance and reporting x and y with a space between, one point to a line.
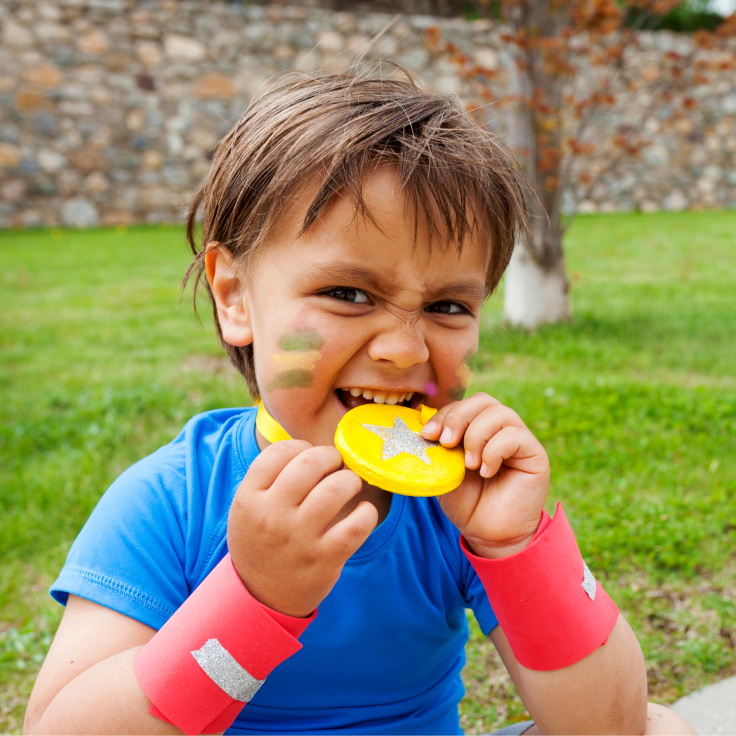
549 605
214 653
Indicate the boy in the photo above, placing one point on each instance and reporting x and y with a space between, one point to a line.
352 227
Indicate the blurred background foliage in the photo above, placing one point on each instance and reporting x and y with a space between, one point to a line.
690 16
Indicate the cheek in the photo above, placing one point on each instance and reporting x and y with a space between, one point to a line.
334 355
457 370
340 341
304 357
292 361
292 369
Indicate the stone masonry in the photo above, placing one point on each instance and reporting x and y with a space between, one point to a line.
110 109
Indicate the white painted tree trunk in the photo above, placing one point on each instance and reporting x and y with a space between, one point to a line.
535 289
534 295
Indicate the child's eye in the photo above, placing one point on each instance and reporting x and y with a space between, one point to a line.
348 294
448 308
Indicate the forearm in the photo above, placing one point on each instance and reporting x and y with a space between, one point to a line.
122 665
606 692
104 699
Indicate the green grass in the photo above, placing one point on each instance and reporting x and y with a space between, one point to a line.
634 399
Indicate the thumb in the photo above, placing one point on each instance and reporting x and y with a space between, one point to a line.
460 504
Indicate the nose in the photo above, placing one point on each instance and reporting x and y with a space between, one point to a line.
402 344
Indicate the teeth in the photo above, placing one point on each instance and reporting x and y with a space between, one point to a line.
380 397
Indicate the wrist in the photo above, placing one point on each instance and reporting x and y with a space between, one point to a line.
498 550
262 590
547 602
220 644
281 605
286 610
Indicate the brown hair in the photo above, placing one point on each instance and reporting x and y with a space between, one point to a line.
458 175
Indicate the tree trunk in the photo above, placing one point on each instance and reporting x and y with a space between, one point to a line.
534 294
536 285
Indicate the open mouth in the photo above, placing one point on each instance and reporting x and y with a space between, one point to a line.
354 396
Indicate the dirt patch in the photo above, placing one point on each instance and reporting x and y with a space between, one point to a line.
491 700
687 630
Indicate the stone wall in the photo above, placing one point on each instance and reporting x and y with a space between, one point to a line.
109 109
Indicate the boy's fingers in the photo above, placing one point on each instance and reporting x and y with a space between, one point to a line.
266 467
450 423
345 538
518 446
326 499
432 429
483 427
304 472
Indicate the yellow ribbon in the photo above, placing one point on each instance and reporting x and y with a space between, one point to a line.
269 427
274 432
361 450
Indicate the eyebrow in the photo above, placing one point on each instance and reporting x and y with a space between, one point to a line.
348 273
340 273
471 289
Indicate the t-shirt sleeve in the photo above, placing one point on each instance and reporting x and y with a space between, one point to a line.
476 597
466 578
130 556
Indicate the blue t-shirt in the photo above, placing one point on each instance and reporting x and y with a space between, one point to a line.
384 654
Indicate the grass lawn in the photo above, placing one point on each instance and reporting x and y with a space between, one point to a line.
634 399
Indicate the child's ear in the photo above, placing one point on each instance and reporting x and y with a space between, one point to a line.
229 294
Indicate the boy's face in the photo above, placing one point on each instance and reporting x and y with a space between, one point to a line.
350 312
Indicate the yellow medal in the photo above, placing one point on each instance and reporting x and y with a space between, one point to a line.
383 444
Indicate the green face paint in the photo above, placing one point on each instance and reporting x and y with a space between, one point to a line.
292 379
301 341
298 355
463 373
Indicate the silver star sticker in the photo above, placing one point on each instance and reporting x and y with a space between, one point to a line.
400 438
588 583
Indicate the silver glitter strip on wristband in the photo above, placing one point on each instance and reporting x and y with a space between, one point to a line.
588 583
225 671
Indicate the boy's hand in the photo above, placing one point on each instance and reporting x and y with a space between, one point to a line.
279 531
498 506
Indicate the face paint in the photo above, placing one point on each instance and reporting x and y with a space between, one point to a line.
301 341
297 359
290 361
291 379
463 374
